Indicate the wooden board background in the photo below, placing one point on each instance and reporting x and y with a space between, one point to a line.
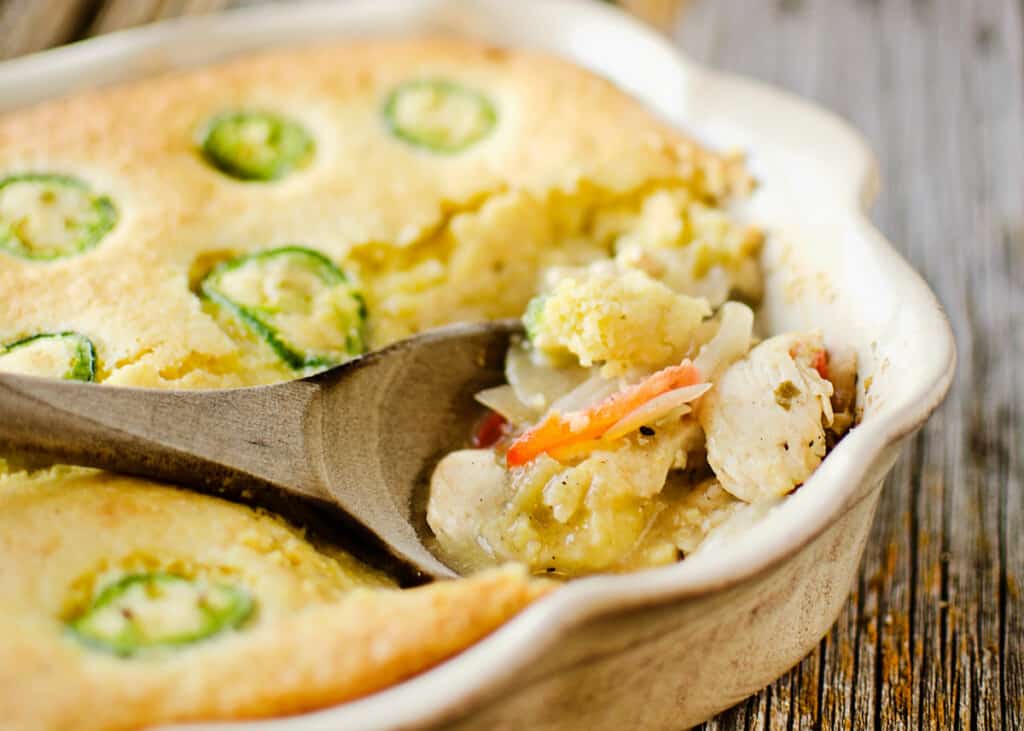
932 637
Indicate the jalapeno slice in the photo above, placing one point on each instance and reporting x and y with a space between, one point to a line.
297 301
255 146
45 216
67 355
439 115
146 611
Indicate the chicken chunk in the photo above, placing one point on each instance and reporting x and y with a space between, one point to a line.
765 418
467 490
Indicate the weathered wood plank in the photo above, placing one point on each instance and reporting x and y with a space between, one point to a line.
32 25
119 14
933 635
995 110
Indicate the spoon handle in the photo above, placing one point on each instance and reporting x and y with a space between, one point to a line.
218 440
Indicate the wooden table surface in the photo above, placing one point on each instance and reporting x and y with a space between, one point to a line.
933 634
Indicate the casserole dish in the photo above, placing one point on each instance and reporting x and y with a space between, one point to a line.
664 648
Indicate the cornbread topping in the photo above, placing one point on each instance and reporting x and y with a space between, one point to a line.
280 214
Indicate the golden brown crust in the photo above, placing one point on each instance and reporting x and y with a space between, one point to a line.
315 638
325 654
58 531
560 129
474 227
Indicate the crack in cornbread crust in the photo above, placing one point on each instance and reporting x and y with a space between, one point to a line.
560 130
319 635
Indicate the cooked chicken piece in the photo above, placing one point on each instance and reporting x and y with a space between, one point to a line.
467 490
765 418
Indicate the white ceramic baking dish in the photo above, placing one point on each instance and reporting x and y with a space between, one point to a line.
664 648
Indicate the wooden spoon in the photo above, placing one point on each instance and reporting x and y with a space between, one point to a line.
361 435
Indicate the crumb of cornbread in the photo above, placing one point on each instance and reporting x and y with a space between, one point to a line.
620 319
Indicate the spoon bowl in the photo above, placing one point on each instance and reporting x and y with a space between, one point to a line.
361 436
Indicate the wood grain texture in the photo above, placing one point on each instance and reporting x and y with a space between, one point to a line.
33 25
933 636
120 14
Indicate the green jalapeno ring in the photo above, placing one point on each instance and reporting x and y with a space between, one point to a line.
256 321
425 138
287 145
132 638
101 211
82 366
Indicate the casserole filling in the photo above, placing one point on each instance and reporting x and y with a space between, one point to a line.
633 424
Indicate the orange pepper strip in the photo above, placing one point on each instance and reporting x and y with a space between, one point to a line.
557 430
820 363
819 359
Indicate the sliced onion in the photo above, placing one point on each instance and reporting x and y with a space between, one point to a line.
731 342
503 400
588 393
655 409
539 384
